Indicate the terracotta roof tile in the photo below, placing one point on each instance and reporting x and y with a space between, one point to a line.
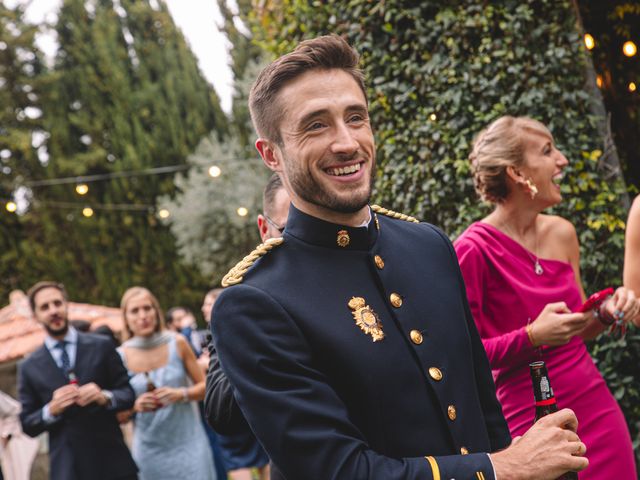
21 334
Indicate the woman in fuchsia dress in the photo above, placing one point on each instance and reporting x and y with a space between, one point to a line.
521 270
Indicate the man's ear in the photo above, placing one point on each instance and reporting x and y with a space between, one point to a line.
262 227
270 154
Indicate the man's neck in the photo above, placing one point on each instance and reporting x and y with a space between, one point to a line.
356 219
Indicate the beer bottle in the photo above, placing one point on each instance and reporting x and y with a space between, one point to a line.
545 400
150 385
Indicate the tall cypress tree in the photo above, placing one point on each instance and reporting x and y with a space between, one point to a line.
20 130
125 94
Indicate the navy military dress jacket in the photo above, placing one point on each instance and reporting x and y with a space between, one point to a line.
354 355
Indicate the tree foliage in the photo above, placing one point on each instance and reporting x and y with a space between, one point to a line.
438 72
124 94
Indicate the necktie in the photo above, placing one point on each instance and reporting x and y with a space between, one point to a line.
64 357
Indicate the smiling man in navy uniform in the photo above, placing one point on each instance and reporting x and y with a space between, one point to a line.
349 340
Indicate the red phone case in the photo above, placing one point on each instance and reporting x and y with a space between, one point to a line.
595 300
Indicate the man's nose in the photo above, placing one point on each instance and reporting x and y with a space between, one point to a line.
344 141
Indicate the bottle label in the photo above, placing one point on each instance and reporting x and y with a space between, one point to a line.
544 403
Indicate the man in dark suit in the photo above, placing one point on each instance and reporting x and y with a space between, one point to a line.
238 442
349 341
72 387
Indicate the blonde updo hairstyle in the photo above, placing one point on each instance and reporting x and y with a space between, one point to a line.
126 298
497 147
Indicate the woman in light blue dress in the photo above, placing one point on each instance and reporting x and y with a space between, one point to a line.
169 441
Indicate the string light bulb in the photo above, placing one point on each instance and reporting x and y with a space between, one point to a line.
11 207
82 189
589 41
629 48
87 212
433 117
599 81
164 213
214 171
242 211
632 87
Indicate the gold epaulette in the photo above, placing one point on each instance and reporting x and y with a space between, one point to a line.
235 275
392 214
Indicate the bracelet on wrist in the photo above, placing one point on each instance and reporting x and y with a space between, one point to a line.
530 335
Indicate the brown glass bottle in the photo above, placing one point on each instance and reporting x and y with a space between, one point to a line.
150 385
545 400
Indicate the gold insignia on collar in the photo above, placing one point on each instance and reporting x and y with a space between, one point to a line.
366 318
343 238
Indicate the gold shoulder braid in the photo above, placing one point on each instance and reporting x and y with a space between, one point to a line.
235 275
392 214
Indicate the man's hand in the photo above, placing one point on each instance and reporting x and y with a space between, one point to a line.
62 399
91 393
548 449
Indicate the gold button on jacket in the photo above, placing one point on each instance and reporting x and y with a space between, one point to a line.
416 337
464 451
379 262
451 412
396 300
435 373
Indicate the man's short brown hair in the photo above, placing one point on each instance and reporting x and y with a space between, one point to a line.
326 52
31 293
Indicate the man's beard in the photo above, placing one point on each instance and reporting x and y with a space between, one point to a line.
308 189
61 331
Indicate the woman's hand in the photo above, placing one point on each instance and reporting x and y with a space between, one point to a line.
168 395
623 305
556 325
147 402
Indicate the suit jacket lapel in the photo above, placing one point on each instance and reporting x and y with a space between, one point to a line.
49 369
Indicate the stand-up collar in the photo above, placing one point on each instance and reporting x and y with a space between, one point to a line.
330 235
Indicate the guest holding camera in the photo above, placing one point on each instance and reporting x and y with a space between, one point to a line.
522 274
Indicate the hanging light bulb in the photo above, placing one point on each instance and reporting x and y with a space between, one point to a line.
214 171
243 212
164 213
87 212
589 41
11 207
629 48
632 87
82 189
599 81
433 117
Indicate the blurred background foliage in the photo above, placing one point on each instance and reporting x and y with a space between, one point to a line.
438 72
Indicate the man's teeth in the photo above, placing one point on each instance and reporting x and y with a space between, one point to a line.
344 170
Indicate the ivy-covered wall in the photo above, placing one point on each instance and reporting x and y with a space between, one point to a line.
438 71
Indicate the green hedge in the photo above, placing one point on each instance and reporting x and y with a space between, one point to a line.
438 72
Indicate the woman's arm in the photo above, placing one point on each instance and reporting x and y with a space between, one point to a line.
631 274
168 395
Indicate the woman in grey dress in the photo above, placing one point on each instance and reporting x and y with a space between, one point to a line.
169 441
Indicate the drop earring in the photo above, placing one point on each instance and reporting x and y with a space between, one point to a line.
533 190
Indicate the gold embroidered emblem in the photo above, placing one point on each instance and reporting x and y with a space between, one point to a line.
343 238
366 318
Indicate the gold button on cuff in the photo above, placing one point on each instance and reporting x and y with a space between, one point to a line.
396 300
451 412
416 337
379 262
464 451
435 373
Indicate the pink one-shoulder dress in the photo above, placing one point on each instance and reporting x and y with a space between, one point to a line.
505 294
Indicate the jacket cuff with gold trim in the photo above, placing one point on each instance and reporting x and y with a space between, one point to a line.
475 466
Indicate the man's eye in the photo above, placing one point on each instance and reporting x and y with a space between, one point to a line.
356 118
315 126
